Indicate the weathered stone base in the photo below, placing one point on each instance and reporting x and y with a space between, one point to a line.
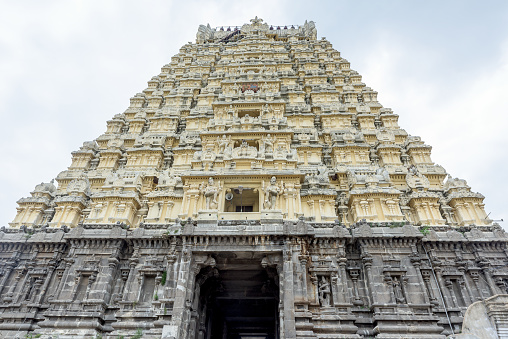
297 279
271 216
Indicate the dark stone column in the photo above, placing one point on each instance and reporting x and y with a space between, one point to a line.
177 329
286 277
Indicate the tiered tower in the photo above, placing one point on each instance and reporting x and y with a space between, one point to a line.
255 188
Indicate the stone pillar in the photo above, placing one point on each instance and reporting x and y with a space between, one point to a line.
285 195
10 292
426 274
286 275
416 264
193 312
453 297
280 273
170 278
342 261
7 272
442 287
466 283
169 210
311 207
177 329
354 274
299 202
44 287
34 294
334 288
196 206
132 265
120 288
303 270
314 280
367 263
487 272
107 278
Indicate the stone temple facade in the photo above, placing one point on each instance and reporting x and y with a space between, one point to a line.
255 189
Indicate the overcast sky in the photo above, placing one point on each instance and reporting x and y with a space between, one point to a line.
66 67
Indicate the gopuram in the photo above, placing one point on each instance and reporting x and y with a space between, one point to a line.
256 189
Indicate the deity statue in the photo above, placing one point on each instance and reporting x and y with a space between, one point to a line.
246 119
208 155
244 147
324 292
232 112
271 193
382 174
342 199
416 180
293 155
268 143
313 180
280 153
413 170
266 109
228 152
323 174
397 290
222 143
210 191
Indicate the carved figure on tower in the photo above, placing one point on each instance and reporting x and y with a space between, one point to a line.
397 290
268 143
271 193
210 192
222 143
324 292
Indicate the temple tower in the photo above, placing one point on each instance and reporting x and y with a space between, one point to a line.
255 189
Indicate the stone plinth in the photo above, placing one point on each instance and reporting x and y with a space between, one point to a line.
271 216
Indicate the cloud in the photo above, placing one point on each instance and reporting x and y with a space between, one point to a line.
463 121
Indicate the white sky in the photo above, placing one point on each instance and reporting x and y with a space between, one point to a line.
66 67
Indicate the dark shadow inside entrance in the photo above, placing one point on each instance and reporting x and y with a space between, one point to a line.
240 302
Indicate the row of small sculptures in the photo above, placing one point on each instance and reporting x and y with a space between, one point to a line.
224 149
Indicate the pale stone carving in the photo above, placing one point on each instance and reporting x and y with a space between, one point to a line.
244 151
210 192
223 143
416 180
267 144
271 193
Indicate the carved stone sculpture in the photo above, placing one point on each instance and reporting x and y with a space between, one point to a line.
210 192
271 193
324 292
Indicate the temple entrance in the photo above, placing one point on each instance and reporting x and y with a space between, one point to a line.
238 299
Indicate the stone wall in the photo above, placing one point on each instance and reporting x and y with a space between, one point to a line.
369 280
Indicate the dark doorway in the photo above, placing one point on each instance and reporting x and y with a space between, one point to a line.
240 302
244 209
